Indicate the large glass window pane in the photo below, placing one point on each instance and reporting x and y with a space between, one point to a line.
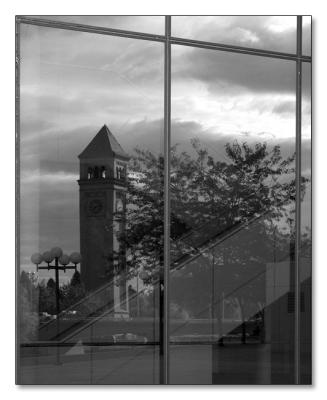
91 129
138 23
306 231
262 32
232 219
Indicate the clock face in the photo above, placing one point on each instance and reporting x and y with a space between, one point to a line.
95 206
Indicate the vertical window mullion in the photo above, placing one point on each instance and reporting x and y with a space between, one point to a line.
17 193
297 332
167 124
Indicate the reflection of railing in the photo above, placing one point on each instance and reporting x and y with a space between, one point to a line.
76 327
99 296
214 240
105 308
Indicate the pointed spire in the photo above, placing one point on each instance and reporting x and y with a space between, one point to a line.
103 145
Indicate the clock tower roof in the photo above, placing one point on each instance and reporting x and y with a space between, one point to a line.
103 145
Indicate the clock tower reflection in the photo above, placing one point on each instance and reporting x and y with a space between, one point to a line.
102 192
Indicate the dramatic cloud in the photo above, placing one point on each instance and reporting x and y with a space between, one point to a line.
235 73
263 32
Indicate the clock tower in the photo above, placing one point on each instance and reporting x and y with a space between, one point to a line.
102 193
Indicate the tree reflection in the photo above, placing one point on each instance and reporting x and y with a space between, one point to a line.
234 216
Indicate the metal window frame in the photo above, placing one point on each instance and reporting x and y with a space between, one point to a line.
17 195
167 145
169 40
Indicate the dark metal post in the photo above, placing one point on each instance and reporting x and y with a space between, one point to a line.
138 295
57 287
57 306
297 322
212 313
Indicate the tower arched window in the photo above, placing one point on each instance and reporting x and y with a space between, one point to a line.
96 172
103 172
120 172
123 173
89 173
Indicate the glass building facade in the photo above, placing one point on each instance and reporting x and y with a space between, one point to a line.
164 200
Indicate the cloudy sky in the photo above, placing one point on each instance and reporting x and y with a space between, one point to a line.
72 83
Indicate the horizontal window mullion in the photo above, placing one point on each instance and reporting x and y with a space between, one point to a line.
90 29
160 38
237 49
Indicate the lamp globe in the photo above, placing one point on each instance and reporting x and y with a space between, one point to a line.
36 258
75 258
47 257
56 252
64 259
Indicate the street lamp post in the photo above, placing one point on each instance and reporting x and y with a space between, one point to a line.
62 262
